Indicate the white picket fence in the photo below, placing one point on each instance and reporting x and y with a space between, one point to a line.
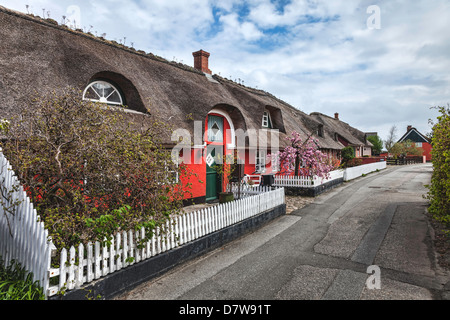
247 190
23 237
294 181
82 265
306 182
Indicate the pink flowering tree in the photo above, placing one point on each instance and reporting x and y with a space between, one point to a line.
303 158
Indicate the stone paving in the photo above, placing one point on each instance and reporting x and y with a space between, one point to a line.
294 203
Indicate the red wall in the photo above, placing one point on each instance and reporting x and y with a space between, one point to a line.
197 181
427 150
197 168
367 160
196 176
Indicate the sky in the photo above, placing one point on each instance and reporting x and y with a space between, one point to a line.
378 64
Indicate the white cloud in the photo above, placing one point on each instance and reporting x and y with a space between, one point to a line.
235 30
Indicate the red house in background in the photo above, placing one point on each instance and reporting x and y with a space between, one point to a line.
419 140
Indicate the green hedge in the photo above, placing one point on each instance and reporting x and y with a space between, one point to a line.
439 189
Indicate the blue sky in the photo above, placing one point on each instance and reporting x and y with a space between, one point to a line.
318 55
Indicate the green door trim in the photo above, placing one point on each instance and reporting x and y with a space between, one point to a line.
213 179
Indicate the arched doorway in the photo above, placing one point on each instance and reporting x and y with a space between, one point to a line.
219 141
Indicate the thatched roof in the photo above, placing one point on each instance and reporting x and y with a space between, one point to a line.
38 55
334 127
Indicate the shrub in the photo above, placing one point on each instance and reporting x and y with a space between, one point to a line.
353 162
439 189
347 154
89 170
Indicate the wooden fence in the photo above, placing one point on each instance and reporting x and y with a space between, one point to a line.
405 161
23 237
87 263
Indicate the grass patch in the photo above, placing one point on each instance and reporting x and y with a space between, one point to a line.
17 284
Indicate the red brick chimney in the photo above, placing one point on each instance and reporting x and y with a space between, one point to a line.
336 116
408 128
201 61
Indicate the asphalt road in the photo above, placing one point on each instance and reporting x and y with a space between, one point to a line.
324 250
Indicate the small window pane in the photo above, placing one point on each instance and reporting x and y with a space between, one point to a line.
91 94
115 97
266 123
215 129
104 92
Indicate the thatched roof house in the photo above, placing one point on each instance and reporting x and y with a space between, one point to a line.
39 55
343 134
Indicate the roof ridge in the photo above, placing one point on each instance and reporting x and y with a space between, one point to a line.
112 43
260 92
417 131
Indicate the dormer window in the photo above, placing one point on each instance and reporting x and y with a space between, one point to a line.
320 130
103 92
266 120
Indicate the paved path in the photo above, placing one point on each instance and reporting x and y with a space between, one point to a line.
323 250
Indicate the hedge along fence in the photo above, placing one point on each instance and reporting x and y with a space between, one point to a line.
88 263
23 237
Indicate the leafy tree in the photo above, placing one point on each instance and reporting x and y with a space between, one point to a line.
90 170
439 189
304 158
377 144
405 148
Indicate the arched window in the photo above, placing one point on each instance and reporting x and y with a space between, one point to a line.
104 92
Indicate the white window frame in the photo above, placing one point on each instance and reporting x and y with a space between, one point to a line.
260 161
174 173
275 163
101 95
166 175
418 144
266 119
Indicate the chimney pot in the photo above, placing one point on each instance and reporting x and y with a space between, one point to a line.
336 116
201 61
